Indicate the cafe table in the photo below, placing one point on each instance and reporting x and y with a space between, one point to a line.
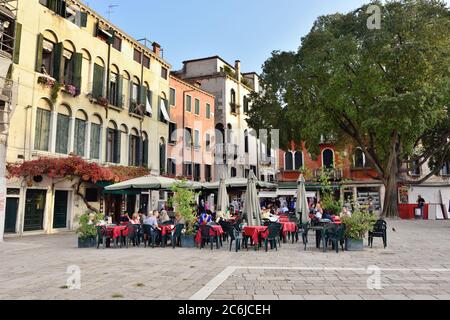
256 233
216 231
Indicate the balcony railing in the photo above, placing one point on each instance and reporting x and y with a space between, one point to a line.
333 173
137 108
266 160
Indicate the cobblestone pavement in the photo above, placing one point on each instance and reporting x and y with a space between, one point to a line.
416 265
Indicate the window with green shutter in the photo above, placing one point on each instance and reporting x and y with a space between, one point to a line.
80 137
77 62
97 87
172 97
208 111
18 38
58 62
117 140
42 131
95 141
188 103
62 134
197 107
145 153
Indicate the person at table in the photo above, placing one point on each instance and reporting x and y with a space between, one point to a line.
124 218
345 212
265 213
152 220
164 217
205 218
179 219
135 219
219 217
284 209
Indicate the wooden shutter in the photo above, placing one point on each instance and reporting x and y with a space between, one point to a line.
142 95
97 88
138 152
77 61
111 39
83 19
39 48
17 43
130 137
119 91
117 138
145 153
58 67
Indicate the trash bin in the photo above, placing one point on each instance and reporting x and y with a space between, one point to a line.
417 213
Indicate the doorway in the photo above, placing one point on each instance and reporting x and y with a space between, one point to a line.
12 204
60 210
34 210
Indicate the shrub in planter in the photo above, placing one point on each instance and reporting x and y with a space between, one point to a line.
183 201
87 230
357 227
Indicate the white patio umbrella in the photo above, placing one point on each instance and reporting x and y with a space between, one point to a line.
222 198
301 206
252 206
150 183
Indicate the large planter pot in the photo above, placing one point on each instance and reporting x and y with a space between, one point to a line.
187 241
354 244
87 242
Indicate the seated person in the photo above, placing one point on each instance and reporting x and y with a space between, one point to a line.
179 219
284 210
219 217
164 217
327 216
265 213
152 220
345 212
135 219
205 218
124 218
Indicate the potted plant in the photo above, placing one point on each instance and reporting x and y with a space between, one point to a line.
87 230
182 201
357 226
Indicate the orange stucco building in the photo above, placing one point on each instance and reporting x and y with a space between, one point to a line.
191 132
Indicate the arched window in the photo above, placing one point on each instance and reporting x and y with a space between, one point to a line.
115 87
229 133
233 101
245 104
98 83
71 64
359 158
96 134
328 158
113 142
288 161
134 148
298 160
162 156
80 134
62 129
46 53
43 126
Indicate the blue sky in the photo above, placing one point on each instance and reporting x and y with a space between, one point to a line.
248 30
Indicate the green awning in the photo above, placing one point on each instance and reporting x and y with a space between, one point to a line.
308 186
123 192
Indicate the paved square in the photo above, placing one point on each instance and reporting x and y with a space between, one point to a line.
416 265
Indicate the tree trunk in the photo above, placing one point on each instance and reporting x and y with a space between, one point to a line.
81 195
390 207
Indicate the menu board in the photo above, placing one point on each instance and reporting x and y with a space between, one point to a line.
403 195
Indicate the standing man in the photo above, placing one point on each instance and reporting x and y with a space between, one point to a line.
371 205
421 205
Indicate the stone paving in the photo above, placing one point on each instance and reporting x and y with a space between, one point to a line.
416 265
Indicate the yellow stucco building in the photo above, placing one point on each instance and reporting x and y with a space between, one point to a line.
84 87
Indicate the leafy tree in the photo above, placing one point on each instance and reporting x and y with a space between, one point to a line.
183 201
385 90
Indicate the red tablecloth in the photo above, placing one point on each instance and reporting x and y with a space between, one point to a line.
117 231
288 227
215 231
284 219
255 231
166 229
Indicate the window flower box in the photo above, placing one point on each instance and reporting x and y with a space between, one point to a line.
103 101
71 90
46 81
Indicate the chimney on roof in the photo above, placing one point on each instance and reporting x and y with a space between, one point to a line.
237 69
198 84
156 48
